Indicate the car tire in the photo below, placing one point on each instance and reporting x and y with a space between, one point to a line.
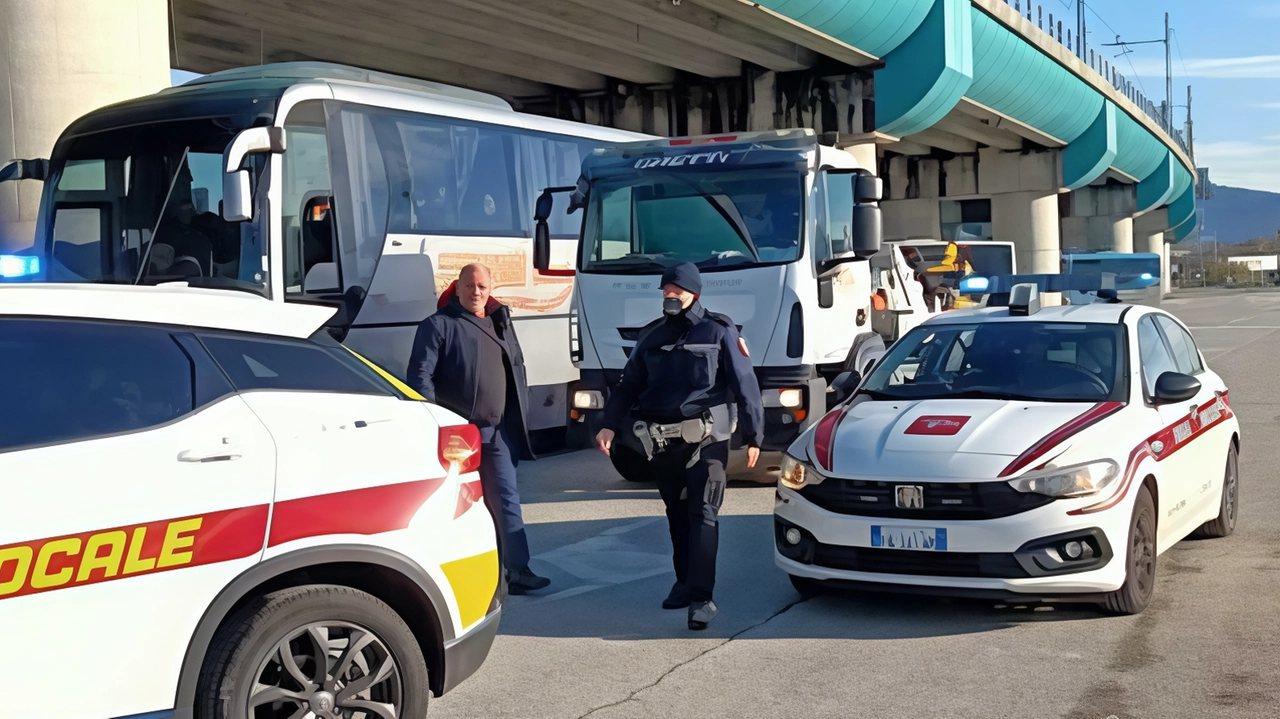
630 464
249 650
1228 504
1140 560
806 586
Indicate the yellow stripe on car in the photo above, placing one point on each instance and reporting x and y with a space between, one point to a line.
474 580
406 389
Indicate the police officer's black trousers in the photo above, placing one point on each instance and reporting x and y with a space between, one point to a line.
693 497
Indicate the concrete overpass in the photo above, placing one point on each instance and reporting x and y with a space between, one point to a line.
979 114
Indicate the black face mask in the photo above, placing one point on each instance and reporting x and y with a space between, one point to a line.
672 306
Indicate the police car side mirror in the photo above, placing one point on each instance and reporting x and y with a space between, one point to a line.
845 383
1173 387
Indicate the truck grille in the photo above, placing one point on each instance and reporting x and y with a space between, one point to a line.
942 500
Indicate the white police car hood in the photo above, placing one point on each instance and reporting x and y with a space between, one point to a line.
615 307
936 439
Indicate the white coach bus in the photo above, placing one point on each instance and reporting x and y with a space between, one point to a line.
320 182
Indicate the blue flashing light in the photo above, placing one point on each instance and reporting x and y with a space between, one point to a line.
1146 276
974 285
14 266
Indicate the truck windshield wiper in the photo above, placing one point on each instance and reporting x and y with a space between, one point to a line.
729 212
627 264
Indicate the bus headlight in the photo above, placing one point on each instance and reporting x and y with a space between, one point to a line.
795 474
1078 480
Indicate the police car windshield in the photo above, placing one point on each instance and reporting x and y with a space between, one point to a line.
641 223
1009 360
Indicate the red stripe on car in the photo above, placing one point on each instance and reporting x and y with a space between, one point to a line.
1096 414
371 510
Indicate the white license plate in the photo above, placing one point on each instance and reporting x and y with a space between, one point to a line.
909 538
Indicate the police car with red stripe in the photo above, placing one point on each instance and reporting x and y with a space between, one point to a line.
1015 451
212 509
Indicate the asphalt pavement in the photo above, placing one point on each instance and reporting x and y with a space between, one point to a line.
597 643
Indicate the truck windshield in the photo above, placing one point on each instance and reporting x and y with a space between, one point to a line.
1028 361
643 223
142 205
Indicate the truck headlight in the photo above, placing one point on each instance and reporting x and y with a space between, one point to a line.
796 474
788 398
1077 480
588 399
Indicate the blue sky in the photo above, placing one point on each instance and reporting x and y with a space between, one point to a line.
1227 50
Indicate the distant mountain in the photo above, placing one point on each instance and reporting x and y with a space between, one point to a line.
1238 215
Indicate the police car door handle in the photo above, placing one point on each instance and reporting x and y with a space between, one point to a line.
223 452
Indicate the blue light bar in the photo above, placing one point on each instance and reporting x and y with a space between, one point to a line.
14 266
1002 284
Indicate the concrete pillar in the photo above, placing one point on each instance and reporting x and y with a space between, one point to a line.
1122 234
1166 281
1100 218
911 219
58 60
1030 221
1155 243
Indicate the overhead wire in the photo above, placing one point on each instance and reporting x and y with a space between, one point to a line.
1126 52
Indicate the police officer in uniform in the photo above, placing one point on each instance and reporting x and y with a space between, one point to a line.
686 385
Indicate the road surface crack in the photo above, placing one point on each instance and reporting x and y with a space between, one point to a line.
694 658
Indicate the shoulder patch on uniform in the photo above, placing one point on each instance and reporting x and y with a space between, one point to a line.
742 345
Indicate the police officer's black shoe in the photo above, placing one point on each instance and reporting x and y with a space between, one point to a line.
678 598
523 581
701 614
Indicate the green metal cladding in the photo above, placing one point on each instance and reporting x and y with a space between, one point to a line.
924 77
1087 157
873 26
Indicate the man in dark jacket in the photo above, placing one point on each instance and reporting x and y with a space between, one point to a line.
466 358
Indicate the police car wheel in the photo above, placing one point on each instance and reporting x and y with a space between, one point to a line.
1228 504
1140 560
806 586
630 464
320 650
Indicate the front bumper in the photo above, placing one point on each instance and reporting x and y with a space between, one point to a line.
463 656
1018 555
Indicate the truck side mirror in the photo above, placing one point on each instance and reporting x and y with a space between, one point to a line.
541 232
867 223
237 195
25 170
541 246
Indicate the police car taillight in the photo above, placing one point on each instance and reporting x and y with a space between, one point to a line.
460 448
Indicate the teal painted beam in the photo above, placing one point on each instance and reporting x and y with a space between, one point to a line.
1157 188
1183 208
924 78
875 27
1183 231
1088 156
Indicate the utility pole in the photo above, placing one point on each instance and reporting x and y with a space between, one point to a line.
1168 78
1191 142
1081 31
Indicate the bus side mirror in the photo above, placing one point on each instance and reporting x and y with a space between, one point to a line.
237 195
541 246
25 170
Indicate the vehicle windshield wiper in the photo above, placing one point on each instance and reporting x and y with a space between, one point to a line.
990 394
729 212
880 396
146 252
627 264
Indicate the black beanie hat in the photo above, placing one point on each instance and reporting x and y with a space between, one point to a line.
685 276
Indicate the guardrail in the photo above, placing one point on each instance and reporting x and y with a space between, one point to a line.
1102 66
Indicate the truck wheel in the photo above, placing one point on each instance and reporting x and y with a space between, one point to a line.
630 464
1140 560
318 650
1225 523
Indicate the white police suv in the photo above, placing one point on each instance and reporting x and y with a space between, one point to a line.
1016 452
213 510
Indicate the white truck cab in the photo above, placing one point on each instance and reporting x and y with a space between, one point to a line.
780 226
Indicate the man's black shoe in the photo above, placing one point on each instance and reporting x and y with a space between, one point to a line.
701 614
678 598
523 581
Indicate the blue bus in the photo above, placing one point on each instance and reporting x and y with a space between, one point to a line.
1134 276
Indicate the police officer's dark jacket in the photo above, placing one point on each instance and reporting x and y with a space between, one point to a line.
685 364
444 362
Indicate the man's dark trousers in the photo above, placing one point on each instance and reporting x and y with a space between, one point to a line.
693 497
498 480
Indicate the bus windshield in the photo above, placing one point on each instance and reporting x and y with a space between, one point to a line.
713 219
142 205
1133 272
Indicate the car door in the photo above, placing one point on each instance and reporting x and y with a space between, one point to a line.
1180 468
354 458
137 485
1209 435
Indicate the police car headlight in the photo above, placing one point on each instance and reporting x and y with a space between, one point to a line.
1077 480
795 474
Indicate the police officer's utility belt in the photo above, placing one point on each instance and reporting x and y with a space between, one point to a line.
657 437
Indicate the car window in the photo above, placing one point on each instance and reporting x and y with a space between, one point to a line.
287 365
1185 354
69 380
1033 361
1155 356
